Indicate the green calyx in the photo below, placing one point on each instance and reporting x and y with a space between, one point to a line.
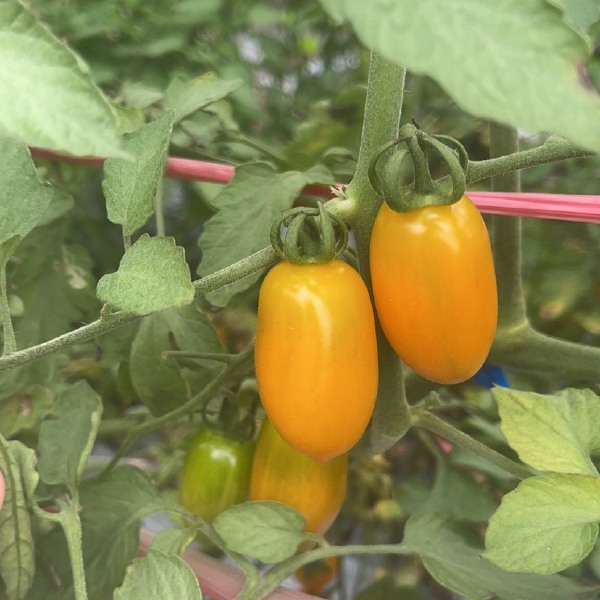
389 179
234 416
311 235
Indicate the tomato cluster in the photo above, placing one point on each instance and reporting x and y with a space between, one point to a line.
316 360
434 289
220 472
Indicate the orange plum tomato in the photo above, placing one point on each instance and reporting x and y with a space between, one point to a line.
316 356
434 286
282 474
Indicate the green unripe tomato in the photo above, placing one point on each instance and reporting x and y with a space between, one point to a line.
216 474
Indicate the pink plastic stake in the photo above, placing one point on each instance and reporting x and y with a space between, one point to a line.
564 207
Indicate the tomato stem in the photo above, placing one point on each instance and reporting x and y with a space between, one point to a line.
507 234
552 150
243 361
8 332
159 212
278 573
431 422
385 90
109 321
527 349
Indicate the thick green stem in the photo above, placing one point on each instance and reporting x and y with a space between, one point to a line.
277 574
527 349
159 210
385 91
507 236
517 344
255 262
126 242
391 417
432 423
552 150
8 332
109 321
73 535
69 520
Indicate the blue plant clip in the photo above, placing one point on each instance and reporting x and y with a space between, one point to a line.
490 375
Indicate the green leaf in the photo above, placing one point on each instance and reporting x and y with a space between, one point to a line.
152 276
139 95
249 203
511 61
158 576
581 13
185 97
47 96
56 286
173 541
412 494
24 410
457 495
111 512
269 531
59 206
23 197
552 433
17 564
160 382
456 563
130 185
68 434
546 524
113 508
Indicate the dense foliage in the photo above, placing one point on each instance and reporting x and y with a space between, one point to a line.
124 323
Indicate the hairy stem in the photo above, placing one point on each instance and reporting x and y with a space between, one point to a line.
552 150
504 141
109 321
73 534
241 362
527 349
277 574
159 209
8 332
385 89
433 423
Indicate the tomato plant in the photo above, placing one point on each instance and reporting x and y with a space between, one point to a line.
282 474
216 473
316 356
128 296
435 288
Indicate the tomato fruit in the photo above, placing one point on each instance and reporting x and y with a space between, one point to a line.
435 288
283 474
316 356
316 576
216 473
